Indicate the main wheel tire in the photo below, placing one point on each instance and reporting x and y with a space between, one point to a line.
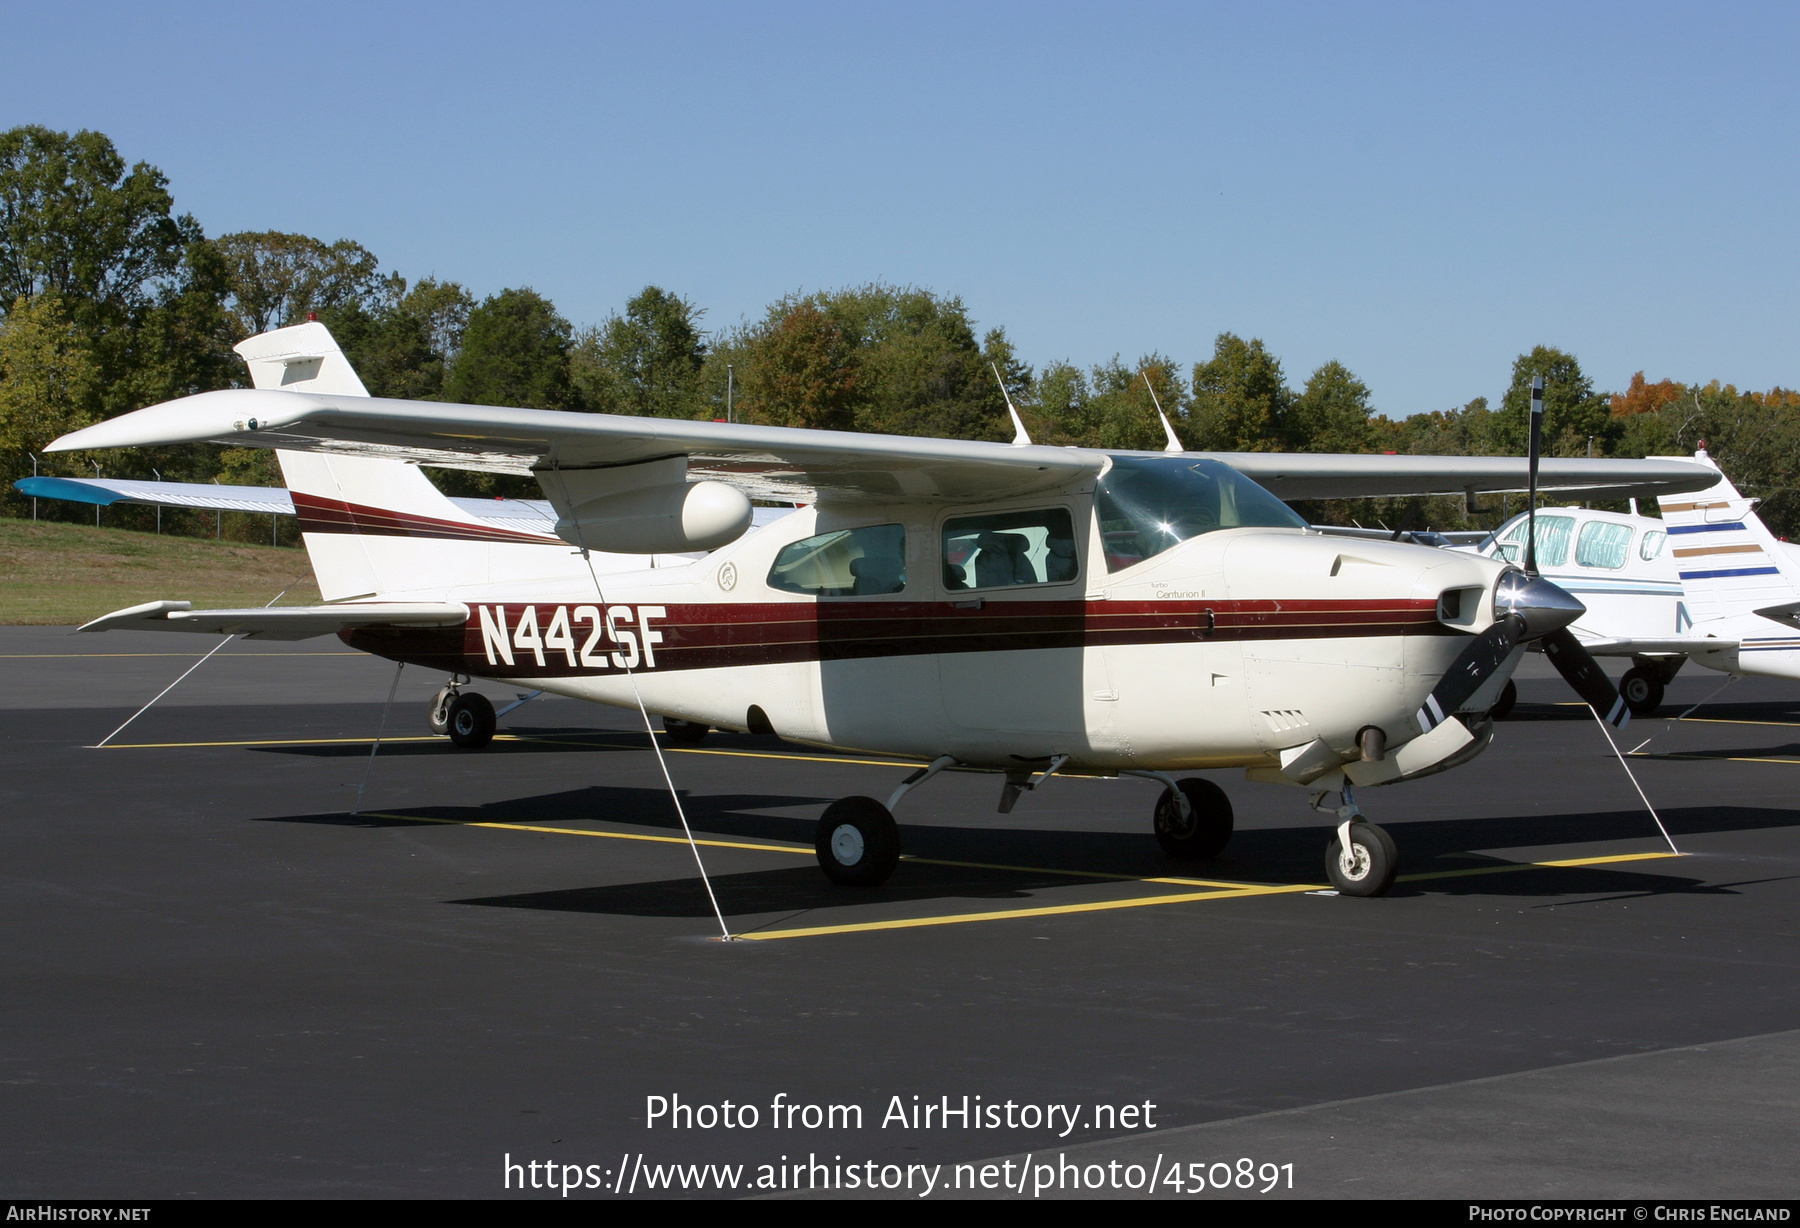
858 842
471 720
1370 868
1207 828
684 733
1642 691
1509 697
438 716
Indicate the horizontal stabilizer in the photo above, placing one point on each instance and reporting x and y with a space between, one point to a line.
1788 614
282 622
269 500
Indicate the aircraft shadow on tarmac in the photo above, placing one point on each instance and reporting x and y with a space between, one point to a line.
1014 862
514 740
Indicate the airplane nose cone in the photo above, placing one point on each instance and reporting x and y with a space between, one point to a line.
1539 604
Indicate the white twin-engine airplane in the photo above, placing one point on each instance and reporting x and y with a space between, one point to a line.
1707 583
1032 610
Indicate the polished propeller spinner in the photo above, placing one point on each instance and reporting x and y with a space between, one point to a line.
1527 607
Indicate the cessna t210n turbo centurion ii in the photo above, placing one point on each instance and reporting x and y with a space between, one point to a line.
1032 610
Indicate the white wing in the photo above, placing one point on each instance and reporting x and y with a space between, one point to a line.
780 463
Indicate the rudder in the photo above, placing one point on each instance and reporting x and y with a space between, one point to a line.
1728 561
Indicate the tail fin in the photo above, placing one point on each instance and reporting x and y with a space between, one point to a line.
1728 560
300 358
375 527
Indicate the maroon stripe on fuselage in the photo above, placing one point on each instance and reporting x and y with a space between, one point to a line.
320 515
702 636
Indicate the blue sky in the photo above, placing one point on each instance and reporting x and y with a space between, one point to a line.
1420 191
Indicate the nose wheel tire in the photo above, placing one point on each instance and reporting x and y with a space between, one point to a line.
1207 828
684 733
858 842
1369 867
471 720
1642 691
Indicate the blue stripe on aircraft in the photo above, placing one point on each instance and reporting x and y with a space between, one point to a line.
1705 528
1609 584
1720 575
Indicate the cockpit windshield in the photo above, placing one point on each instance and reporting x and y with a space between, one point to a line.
1147 504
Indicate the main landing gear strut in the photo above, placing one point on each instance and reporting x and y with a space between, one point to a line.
468 717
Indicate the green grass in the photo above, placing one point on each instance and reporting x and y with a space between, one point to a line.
64 574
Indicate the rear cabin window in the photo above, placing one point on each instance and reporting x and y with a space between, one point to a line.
847 563
1603 543
1553 533
1652 545
1008 549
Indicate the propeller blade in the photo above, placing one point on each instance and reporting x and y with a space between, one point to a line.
1473 666
1580 671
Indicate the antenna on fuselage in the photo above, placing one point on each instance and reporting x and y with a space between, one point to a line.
1174 444
1021 436
1534 445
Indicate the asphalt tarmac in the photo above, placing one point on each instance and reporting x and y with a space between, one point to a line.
218 981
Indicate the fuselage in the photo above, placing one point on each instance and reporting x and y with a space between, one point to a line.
1079 624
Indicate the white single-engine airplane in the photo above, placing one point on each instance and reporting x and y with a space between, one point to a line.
1707 583
1028 609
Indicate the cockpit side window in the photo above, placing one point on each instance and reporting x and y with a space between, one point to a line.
846 563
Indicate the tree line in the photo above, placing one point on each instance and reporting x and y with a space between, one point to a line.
111 300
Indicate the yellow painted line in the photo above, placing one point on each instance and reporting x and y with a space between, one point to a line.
605 835
807 852
570 739
770 754
262 742
1699 756
1013 914
1720 720
499 737
1236 892
1221 890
